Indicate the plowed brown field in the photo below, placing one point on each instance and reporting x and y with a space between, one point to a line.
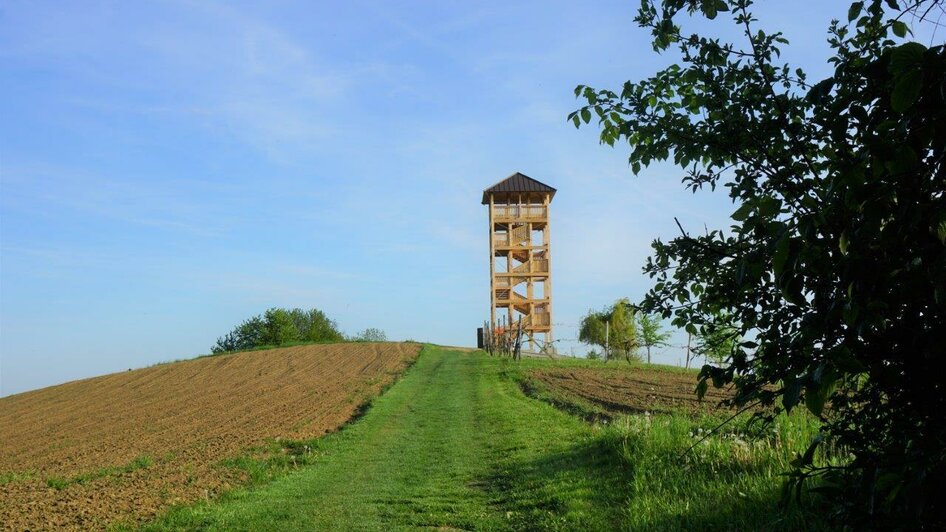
145 439
625 390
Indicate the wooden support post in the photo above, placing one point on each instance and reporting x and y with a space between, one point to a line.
492 267
547 244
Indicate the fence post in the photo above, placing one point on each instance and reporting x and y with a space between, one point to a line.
502 335
518 352
607 338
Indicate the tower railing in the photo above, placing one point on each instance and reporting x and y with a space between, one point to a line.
528 212
504 242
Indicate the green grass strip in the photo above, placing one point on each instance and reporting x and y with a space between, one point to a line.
455 444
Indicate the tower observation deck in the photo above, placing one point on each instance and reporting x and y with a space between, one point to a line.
520 266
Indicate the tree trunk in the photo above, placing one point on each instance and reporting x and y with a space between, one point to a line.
607 338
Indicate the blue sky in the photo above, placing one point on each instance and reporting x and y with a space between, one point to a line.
168 169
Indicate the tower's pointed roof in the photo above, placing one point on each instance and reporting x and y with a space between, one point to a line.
517 182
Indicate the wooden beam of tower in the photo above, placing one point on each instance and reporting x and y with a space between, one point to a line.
492 270
547 241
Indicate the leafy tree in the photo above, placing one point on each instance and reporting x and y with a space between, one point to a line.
651 332
371 335
612 329
226 343
314 326
300 320
247 335
250 333
322 329
718 339
624 329
835 263
279 327
591 330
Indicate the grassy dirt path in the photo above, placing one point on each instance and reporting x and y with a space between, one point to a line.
454 444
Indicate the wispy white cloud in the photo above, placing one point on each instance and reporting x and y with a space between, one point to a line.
255 81
236 73
46 191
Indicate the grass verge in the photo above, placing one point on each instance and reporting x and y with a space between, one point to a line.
686 477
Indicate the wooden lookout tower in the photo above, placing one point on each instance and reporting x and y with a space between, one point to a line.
519 263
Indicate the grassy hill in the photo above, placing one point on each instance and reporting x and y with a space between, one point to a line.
456 444
460 441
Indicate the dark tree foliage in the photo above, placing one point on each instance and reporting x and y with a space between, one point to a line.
833 271
277 327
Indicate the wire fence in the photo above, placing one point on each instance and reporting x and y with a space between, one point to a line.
676 353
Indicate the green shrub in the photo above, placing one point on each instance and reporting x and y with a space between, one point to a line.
278 327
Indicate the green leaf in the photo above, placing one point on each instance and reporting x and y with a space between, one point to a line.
843 243
780 256
906 57
809 455
820 91
769 206
854 10
817 393
791 287
742 212
701 387
791 393
586 115
906 90
899 28
718 379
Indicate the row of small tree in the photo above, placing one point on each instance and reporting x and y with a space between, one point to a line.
278 326
620 330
